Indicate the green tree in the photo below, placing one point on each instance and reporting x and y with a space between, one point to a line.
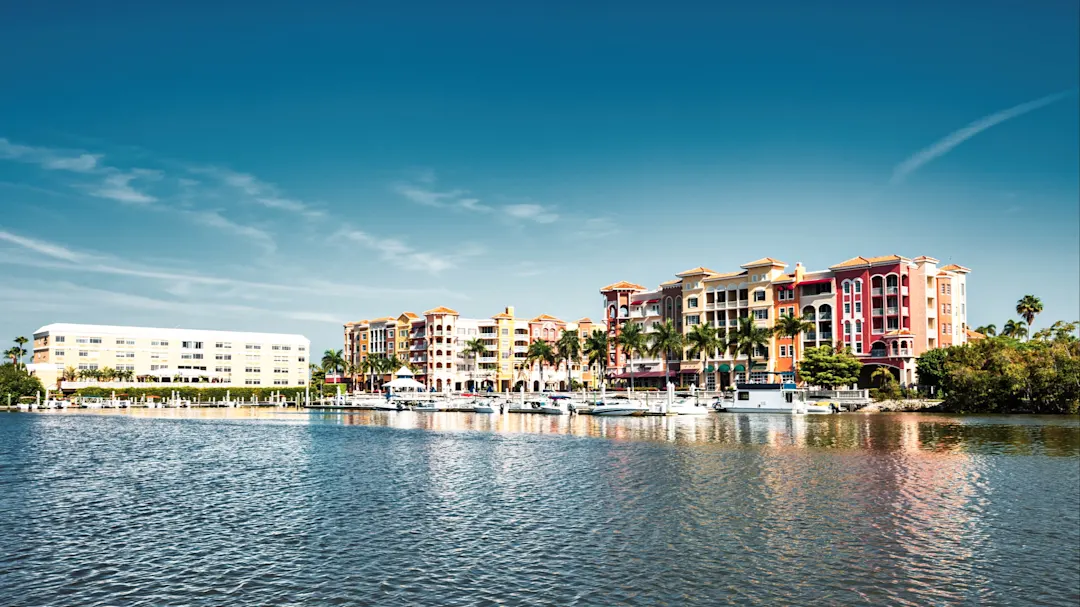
20 343
540 353
107 374
665 340
1014 329
789 325
749 337
823 366
16 382
1028 308
13 353
704 341
987 330
333 361
596 349
930 367
568 350
631 339
475 348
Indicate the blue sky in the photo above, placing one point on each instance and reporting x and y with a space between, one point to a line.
280 167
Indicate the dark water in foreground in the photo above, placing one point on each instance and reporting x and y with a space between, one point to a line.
270 508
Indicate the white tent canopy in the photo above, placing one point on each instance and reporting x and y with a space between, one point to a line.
405 383
403 372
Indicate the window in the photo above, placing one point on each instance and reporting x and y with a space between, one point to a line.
223 356
125 367
693 319
84 340
786 294
252 370
783 351
744 395
761 314
691 302
193 345
302 359
125 355
759 295
223 369
847 287
223 345
858 347
858 326
847 328
190 356
506 331
847 309
280 370
125 342
389 333
85 367
252 382
363 348
253 357
284 348
252 347
83 353
961 289
281 358
59 339
156 367
59 352
858 306
281 382
158 342
95 340
858 286
301 349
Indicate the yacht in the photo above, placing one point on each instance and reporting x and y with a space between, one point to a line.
619 406
773 398
688 405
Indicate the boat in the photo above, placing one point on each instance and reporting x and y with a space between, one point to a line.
688 406
619 406
773 398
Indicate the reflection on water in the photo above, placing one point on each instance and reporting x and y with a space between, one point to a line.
286 507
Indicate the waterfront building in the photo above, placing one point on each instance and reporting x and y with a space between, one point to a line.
433 345
171 356
888 310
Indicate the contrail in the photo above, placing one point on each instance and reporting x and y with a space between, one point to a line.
955 138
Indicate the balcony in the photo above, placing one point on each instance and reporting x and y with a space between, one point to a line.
488 359
825 336
892 311
519 349
810 336
892 290
876 291
877 311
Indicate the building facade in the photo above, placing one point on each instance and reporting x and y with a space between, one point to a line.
888 310
433 345
169 356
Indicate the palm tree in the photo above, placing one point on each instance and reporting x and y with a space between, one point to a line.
540 352
883 374
789 325
987 330
69 374
568 349
107 374
596 348
632 339
369 366
475 348
21 341
333 361
664 340
1014 329
1028 308
749 337
125 375
704 340
13 353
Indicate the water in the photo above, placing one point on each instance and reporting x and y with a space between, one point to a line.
244 507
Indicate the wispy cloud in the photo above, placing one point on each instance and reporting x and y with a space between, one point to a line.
260 192
453 199
407 257
39 246
215 219
49 158
950 141
531 212
117 186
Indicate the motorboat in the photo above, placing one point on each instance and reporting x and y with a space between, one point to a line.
774 398
619 406
688 406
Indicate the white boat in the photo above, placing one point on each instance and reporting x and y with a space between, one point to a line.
619 406
773 398
688 406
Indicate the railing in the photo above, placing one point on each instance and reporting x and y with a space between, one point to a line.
810 336
878 311
846 395
825 336
892 311
875 291
892 290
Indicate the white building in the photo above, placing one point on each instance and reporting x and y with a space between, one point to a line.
185 356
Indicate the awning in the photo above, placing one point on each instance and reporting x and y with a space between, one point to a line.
819 281
688 372
725 368
643 301
740 368
643 374
710 369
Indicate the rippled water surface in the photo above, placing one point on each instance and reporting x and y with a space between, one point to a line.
244 507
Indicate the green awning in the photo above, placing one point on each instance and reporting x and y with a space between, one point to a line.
710 369
740 368
724 368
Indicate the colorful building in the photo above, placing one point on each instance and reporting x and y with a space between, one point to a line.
888 310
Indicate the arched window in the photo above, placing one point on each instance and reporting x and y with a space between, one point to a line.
825 312
624 311
878 349
847 328
895 348
891 280
858 285
858 327
846 286
808 312
611 312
